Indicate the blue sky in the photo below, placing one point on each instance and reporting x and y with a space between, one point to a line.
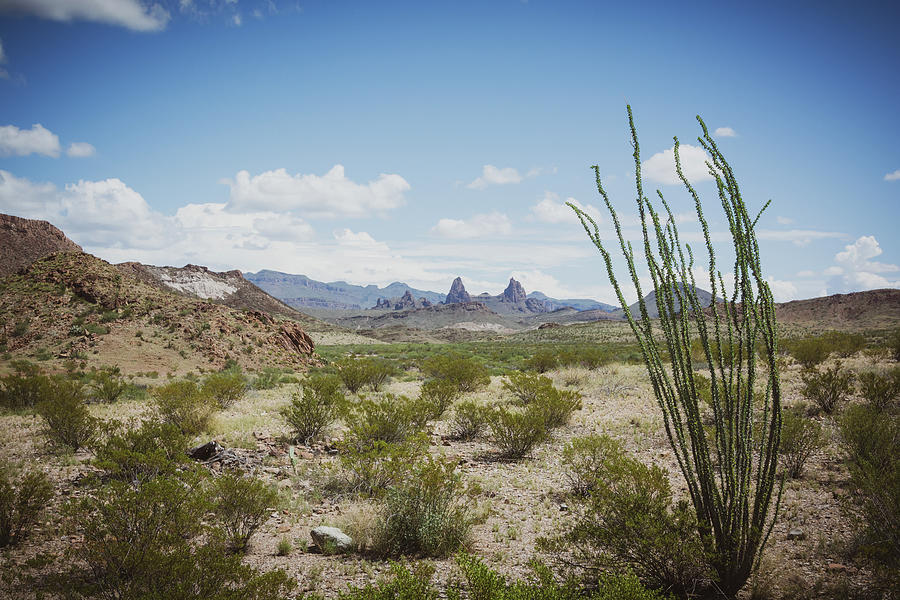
416 141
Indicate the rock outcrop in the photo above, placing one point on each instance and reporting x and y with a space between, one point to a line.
406 301
23 241
457 293
514 293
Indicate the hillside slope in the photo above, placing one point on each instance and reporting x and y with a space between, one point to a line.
23 241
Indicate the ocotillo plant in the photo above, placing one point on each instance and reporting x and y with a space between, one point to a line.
730 470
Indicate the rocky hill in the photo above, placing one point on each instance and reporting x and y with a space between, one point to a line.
72 305
513 301
465 315
23 241
405 302
875 309
653 310
457 293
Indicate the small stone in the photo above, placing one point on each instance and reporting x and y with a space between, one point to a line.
563 507
284 528
331 537
796 534
285 483
836 568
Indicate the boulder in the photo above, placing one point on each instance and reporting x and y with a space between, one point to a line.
328 538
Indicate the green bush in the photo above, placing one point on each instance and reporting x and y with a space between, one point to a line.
809 352
242 504
150 541
377 372
842 343
557 406
23 497
370 469
225 387
352 373
436 396
406 584
517 432
800 438
315 408
893 343
871 439
24 388
68 422
624 518
880 389
467 374
827 388
387 418
543 361
139 453
267 379
424 514
469 420
183 404
527 387
107 384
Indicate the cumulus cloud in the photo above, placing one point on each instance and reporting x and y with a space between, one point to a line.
661 166
798 237
313 196
80 150
22 142
131 14
482 225
491 175
725 132
854 270
892 176
782 291
552 210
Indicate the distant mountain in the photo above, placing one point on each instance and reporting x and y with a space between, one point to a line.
300 291
404 302
23 241
653 310
466 315
513 300
857 311
578 304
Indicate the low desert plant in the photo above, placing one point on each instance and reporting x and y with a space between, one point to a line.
466 373
469 419
138 453
843 343
881 389
425 514
809 352
893 344
377 371
352 373
557 406
407 584
107 384
313 408
827 388
527 387
370 469
24 388
68 422
225 387
241 503
800 438
284 547
543 361
23 497
437 395
267 378
387 418
624 518
183 404
517 432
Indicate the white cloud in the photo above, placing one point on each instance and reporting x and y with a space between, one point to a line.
725 132
81 150
784 220
855 271
131 14
806 274
661 166
782 291
237 20
22 142
798 237
329 196
892 176
491 175
482 225
552 210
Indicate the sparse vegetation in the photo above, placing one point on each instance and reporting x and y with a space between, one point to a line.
225 387
314 407
241 503
107 384
23 497
466 373
469 419
800 438
516 432
68 422
183 404
828 388
881 389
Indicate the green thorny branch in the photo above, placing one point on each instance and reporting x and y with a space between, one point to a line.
730 479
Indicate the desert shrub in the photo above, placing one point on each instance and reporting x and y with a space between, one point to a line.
482 583
370 469
469 419
424 514
352 373
150 541
107 384
183 404
517 432
893 344
241 503
557 406
800 438
406 584
543 361
527 387
284 547
880 389
809 352
592 357
624 518
225 387
267 378
314 408
68 423
23 497
842 343
140 453
377 371
387 418
466 373
436 396
871 439
827 388
24 388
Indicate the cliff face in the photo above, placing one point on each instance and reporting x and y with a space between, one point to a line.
406 301
23 241
457 293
